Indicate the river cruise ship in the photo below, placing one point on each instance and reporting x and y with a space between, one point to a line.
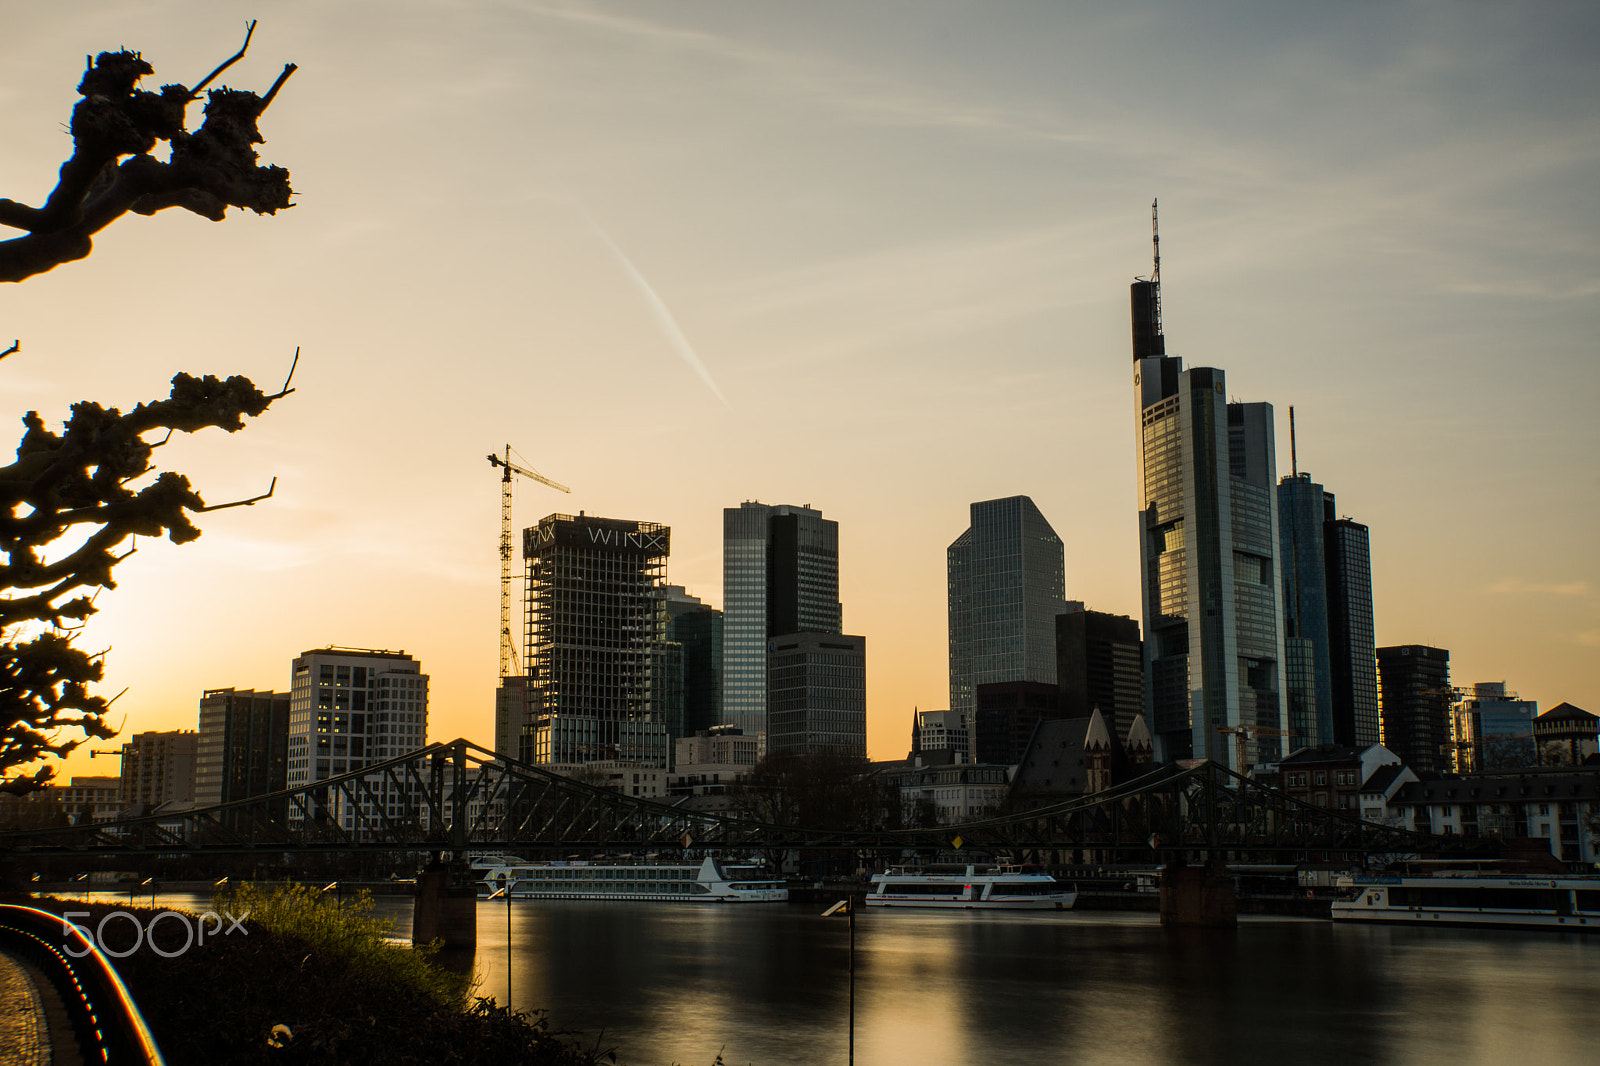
1566 903
708 881
970 888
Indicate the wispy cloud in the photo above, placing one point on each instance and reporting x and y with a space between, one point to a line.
1515 586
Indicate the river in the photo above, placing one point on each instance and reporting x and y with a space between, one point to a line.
768 984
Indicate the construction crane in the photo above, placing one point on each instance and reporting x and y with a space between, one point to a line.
508 648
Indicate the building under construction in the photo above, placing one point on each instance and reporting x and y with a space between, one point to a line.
596 642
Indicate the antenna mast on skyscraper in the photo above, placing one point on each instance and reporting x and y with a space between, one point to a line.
1155 273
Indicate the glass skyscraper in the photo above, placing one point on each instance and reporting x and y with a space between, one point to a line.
1351 638
1209 554
1007 583
780 576
1308 683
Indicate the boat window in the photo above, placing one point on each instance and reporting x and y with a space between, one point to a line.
922 889
1035 888
1589 900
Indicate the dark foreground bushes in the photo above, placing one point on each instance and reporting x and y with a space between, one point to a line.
313 981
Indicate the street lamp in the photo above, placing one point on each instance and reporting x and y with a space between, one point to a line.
848 907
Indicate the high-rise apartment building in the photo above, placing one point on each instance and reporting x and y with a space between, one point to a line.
159 768
817 694
597 656
1100 666
942 731
351 707
1006 583
243 745
1209 553
780 576
1414 698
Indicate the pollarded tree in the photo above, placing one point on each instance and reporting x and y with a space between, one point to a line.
71 500
115 127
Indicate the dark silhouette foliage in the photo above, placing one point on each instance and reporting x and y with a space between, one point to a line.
72 499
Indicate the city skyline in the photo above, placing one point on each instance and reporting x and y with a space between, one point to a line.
900 266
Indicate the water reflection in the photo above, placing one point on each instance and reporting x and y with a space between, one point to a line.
766 984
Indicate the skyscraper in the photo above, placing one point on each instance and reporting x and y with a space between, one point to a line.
1007 583
817 694
780 576
1208 551
243 745
596 642
1307 681
1352 645
1414 697
159 768
696 628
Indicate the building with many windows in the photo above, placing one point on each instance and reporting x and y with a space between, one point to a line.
597 656
1414 702
780 576
1308 657
1007 583
1493 730
1209 553
243 745
1008 713
1100 666
696 628
817 694
159 768
1351 640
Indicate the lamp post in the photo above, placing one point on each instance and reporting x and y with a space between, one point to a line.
848 906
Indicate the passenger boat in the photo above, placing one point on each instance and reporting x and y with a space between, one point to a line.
1567 903
706 882
971 888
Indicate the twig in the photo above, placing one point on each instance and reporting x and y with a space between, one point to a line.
16 346
288 69
194 94
286 390
241 503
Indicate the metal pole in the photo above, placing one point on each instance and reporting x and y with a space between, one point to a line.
852 981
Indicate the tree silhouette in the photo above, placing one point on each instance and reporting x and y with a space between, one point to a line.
72 499
115 127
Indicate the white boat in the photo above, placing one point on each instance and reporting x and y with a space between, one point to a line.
1567 903
970 888
706 882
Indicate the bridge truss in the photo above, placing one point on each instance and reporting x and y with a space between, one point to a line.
459 797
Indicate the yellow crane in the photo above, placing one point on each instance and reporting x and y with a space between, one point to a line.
508 647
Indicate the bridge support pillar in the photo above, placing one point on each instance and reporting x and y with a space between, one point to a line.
445 911
1198 896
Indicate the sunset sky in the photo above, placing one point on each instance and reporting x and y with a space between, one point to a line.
872 257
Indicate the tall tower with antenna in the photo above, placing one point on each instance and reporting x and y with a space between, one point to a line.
1210 569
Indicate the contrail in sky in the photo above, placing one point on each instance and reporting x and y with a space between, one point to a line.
669 325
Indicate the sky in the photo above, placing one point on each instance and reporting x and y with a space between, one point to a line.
871 257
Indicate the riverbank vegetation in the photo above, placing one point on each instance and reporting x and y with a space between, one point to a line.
308 979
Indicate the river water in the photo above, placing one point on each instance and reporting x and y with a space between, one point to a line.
768 984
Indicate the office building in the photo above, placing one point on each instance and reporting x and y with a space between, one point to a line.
780 576
1493 730
697 629
243 745
1414 702
1100 666
596 647
1308 656
942 731
159 768
1209 552
817 694
1007 583
1007 715
1353 669
88 800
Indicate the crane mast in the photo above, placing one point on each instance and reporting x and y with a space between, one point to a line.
508 647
